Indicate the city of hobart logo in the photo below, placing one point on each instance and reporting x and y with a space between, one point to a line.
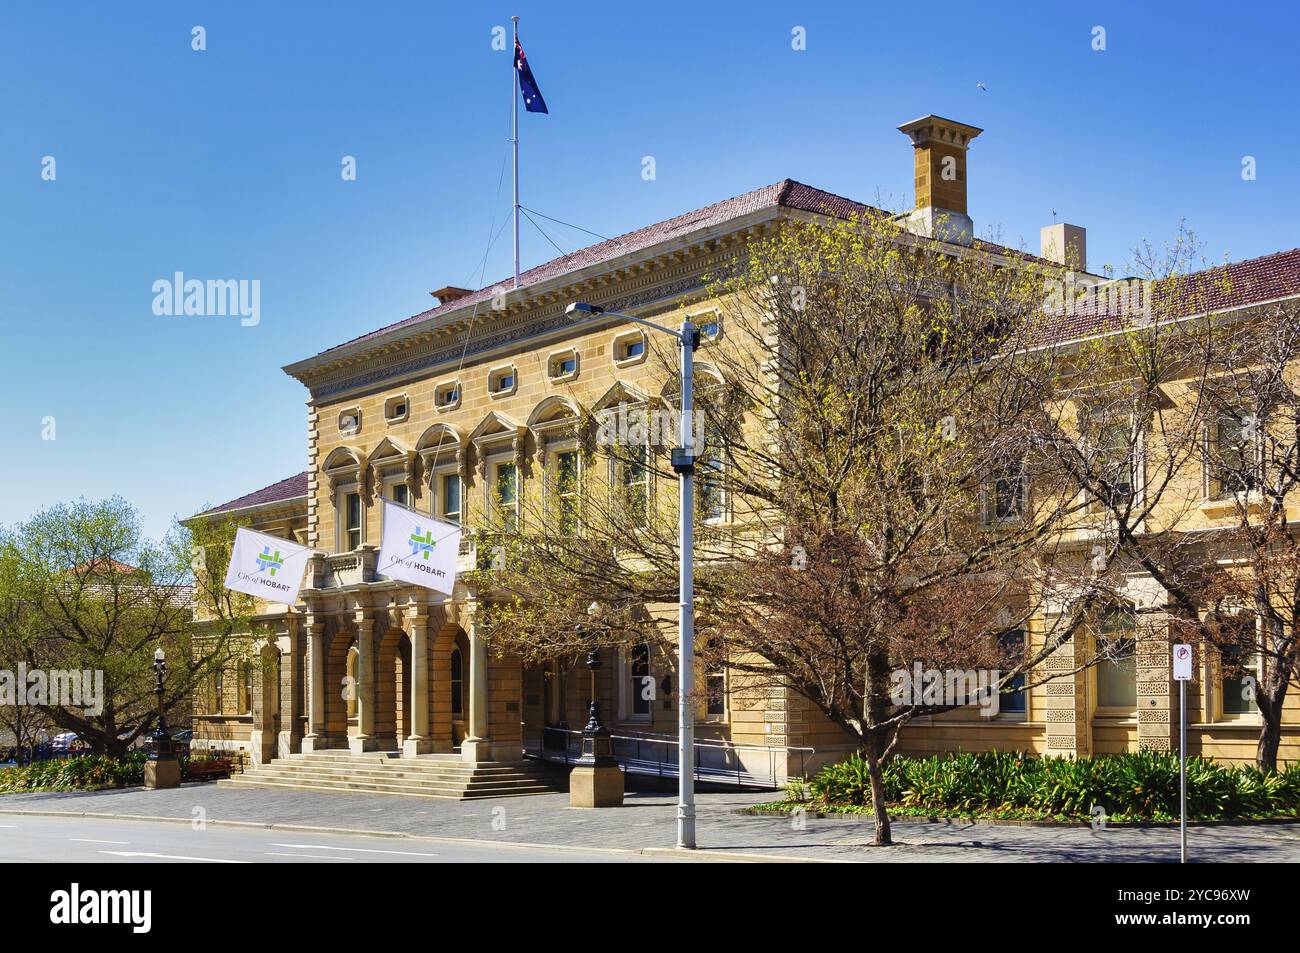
421 545
268 562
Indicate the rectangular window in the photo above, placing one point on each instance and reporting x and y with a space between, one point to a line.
1240 677
450 500
1004 495
1012 644
401 494
502 381
351 521
709 482
568 490
715 688
642 686
507 496
564 366
1117 663
633 348
1234 454
1115 463
634 475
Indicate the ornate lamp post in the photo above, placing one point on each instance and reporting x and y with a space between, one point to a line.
162 770
596 779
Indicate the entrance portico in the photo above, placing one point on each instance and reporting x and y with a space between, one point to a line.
379 664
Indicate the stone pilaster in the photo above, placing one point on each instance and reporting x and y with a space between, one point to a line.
289 740
1067 718
314 627
1155 687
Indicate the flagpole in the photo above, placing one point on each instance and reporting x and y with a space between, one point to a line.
514 136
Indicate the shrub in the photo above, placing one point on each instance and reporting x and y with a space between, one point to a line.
1138 786
82 773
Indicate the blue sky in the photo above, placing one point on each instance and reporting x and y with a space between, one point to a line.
226 164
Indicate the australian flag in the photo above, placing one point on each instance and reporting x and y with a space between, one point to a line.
533 101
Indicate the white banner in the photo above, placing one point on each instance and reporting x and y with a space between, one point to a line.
419 549
266 566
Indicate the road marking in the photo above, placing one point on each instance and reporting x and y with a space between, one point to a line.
134 853
91 840
361 850
280 853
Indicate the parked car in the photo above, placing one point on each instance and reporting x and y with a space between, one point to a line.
181 740
64 742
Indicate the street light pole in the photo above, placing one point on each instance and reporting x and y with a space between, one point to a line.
686 594
683 460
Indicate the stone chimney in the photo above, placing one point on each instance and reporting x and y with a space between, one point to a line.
449 294
939 148
1064 244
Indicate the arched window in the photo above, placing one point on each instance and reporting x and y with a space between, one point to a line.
457 683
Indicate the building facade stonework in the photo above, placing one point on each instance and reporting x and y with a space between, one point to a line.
442 409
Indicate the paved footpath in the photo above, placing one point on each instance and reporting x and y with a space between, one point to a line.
647 823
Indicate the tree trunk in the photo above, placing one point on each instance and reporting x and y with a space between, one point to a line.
1270 698
1270 732
871 755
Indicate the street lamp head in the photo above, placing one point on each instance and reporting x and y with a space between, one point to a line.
580 309
159 655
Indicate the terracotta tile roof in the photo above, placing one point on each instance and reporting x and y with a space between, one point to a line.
767 197
784 194
1243 282
294 486
1240 283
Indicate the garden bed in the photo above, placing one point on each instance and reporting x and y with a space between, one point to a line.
1016 788
85 773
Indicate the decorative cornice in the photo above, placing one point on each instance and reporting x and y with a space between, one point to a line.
672 276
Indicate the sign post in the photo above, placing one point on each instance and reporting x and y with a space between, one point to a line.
1182 675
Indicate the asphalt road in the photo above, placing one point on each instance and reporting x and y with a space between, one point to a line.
36 839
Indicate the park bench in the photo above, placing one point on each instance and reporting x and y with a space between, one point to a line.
210 769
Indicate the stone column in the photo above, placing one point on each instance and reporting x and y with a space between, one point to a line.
476 745
364 739
418 742
289 739
314 626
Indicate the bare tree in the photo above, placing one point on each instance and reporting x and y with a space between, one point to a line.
1179 425
871 495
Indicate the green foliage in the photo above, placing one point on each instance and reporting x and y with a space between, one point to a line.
85 773
1126 786
75 774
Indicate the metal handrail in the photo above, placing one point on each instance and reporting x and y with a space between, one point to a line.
633 761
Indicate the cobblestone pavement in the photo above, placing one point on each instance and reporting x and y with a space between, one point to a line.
648 821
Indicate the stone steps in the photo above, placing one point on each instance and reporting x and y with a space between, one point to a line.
436 776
